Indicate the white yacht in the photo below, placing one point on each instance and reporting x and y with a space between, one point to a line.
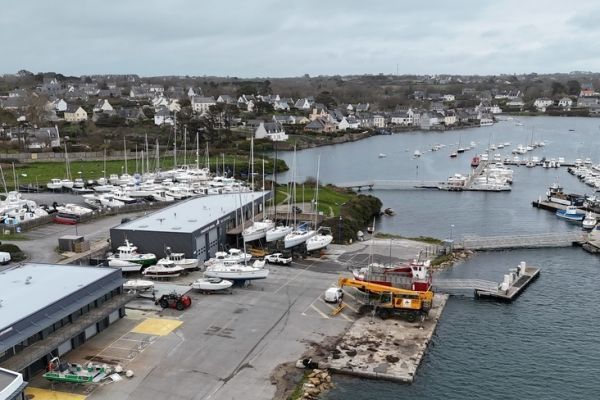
163 269
189 264
320 240
589 222
298 236
257 230
277 232
54 184
234 256
211 284
236 272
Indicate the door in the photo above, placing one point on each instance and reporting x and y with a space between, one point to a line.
201 248
91 331
113 316
65 347
213 242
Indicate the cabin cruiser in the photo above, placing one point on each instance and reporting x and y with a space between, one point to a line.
54 184
138 285
189 264
571 213
589 222
234 256
128 252
163 269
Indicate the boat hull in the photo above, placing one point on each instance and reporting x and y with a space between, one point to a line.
206 285
125 266
277 234
295 240
238 275
318 242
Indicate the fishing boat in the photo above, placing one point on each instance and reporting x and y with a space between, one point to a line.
179 259
589 222
571 213
138 285
211 284
73 373
128 252
236 272
475 162
163 269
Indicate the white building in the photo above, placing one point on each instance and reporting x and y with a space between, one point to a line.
272 131
566 103
201 104
542 103
379 121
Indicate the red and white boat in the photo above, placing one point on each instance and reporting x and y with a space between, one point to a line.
413 276
475 162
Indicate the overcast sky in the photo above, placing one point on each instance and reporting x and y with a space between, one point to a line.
249 38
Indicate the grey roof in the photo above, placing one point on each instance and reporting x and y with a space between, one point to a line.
49 283
8 378
191 215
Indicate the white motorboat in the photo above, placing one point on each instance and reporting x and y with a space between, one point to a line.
589 222
320 240
54 184
128 252
123 197
234 256
138 285
213 284
278 232
103 188
257 230
78 183
180 260
107 200
163 269
382 155
67 183
298 236
73 210
124 265
417 153
236 272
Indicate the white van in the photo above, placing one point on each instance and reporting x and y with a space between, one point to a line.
4 258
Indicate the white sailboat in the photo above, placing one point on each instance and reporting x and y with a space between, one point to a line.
258 229
211 284
301 233
323 236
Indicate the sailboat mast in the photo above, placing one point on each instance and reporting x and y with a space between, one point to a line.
197 151
125 153
175 143
274 182
316 211
185 145
104 165
147 154
263 187
157 163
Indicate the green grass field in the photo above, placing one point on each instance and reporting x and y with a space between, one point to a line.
330 198
41 172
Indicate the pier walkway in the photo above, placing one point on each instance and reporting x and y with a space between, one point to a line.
566 239
464 284
380 184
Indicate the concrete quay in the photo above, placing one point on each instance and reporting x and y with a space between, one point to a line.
386 349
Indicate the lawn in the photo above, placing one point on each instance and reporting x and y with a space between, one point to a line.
41 172
330 198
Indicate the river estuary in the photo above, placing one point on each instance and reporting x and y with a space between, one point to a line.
545 345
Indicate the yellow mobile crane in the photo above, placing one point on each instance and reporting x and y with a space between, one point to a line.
393 301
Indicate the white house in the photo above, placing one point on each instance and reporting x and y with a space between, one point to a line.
542 103
448 97
415 114
59 105
379 121
450 118
75 113
302 104
201 104
163 116
566 103
401 118
343 124
103 106
272 131
281 105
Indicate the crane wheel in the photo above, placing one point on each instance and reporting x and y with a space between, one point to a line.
383 313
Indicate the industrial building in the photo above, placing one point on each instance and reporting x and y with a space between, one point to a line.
12 385
197 227
46 310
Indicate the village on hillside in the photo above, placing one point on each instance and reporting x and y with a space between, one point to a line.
39 112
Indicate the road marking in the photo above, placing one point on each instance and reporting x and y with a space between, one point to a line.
319 311
43 394
157 326
341 313
294 278
350 307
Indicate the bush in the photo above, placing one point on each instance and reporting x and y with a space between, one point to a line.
15 252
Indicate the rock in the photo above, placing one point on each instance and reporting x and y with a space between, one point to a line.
328 379
351 353
372 349
391 359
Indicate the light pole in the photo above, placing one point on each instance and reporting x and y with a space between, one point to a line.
451 231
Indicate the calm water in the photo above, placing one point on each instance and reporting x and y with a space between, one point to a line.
543 346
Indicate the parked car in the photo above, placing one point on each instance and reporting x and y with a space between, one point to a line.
278 258
334 295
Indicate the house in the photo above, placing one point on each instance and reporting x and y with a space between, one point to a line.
353 122
91 89
246 102
281 106
12 103
320 125
516 103
378 121
300 119
437 106
162 116
270 130
225 98
318 111
302 104
42 138
565 103
364 120
201 104
448 97
588 101
75 113
139 92
192 92
401 118
283 119
450 118
415 114
587 90
176 92
17 93
542 103
59 105
102 106
430 120
131 114
343 124
153 88
362 107
419 95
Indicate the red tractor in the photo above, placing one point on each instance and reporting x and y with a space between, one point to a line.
174 300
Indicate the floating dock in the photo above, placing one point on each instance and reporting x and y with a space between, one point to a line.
389 349
513 285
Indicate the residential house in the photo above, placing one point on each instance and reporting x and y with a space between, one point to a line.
448 97
281 106
565 103
516 103
587 90
91 89
320 125
109 93
343 124
378 121
437 106
153 88
365 120
419 95
76 95
131 114
103 106
430 119
415 114
362 107
226 99
201 104
450 118
17 93
270 130
300 119
75 113
401 118
192 92
162 116
176 92
246 102
59 105
485 119
139 92
42 138
353 122
542 103
302 104
318 111
587 101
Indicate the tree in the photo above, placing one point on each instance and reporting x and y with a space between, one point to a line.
326 99
574 87
558 88
35 108
262 108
